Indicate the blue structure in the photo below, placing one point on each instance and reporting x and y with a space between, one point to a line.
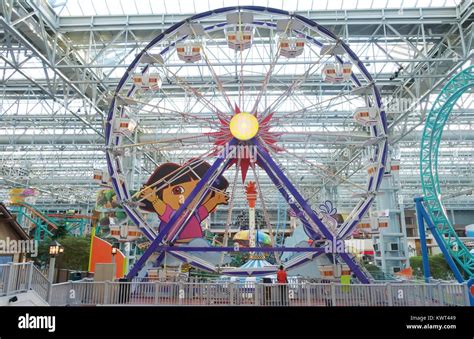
443 230
424 218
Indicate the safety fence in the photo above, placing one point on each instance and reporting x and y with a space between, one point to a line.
21 277
256 294
18 278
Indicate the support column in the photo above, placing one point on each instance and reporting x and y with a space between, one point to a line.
424 247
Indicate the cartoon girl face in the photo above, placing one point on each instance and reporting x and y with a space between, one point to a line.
175 195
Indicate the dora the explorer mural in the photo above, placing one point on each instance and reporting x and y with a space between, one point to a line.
170 185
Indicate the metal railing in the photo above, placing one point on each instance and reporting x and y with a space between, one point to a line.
40 284
4 275
21 277
18 278
256 294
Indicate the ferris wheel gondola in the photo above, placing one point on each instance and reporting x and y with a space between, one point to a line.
226 100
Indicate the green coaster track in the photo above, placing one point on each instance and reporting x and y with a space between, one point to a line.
461 83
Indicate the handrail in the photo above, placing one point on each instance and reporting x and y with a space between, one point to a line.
258 294
22 277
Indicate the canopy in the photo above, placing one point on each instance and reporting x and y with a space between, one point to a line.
261 237
252 267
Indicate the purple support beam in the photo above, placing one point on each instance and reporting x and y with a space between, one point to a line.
241 249
272 166
292 189
312 234
354 268
181 212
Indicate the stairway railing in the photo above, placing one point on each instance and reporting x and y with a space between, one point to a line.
22 277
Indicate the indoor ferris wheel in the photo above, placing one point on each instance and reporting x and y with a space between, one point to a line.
215 102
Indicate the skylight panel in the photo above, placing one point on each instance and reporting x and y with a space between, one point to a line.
423 3
157 6
216 4
73 8
335 4
112 7
276 3
172 7
395 4
87 7
349 4
245 2
289 5
365 4
143 7
305 5
101 7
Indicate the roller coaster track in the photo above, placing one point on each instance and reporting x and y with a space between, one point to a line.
35 212
461 83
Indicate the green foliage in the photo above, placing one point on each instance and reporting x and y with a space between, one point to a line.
76 253
75 256
372 268
60 233
238 259
438 266
376 272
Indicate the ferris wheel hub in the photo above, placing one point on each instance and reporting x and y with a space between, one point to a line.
244 126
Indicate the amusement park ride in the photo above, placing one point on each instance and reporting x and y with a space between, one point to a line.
249 125
40 225
430 209
248 134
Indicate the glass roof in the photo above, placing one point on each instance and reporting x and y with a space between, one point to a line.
134 7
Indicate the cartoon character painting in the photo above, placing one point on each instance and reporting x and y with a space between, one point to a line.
170 185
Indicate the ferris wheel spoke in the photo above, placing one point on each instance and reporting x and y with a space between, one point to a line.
291 89
230 209
325 171
207 60
322 106
295 85
266 81
217 80
265 212
328 137
162 141
188 116
173 112
144 193
268 75
188 88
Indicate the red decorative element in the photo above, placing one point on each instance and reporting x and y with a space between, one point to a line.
251 192
266 119
222 120
236 109
244 167
267 139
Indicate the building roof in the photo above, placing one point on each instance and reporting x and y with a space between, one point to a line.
6 218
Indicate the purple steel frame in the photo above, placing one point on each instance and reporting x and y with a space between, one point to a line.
181 212
311 233
241 249
278 177
283 184
307 209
